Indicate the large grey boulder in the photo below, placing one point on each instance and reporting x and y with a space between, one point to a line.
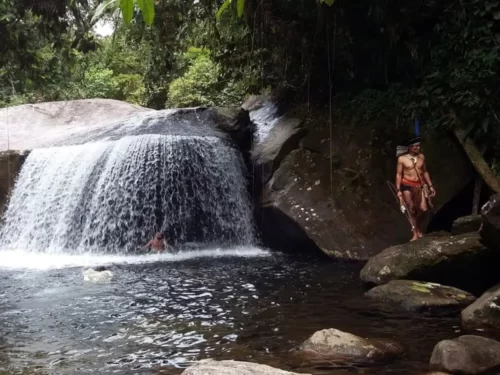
332 190
466 355
417 295
485 312
235 122
490 229
283 137
212 367
333 344
30 126
454 260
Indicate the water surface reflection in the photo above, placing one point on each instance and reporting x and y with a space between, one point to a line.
161 316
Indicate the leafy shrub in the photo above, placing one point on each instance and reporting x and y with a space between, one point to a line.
198 86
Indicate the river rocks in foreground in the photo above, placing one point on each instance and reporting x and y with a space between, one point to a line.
466 224
454 260
466 355
332 344
416 295
490 230
485 312
211 367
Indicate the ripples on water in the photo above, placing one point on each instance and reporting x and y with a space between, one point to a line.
160 313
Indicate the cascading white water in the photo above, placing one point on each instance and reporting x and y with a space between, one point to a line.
111 196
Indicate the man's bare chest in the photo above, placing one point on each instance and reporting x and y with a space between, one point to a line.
411 162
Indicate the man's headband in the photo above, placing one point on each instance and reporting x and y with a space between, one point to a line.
401 150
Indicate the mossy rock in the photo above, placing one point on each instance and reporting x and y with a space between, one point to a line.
417 296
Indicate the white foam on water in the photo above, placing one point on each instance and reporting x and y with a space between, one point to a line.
18 259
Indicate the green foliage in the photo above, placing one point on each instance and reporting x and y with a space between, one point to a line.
240 6
199 85
222 8
203 83
426 59
147 8
115 69
98 82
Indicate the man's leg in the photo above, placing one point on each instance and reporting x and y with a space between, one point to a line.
420 216
408 197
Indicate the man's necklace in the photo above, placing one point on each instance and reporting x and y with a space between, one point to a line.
412 158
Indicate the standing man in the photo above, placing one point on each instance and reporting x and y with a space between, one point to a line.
413 184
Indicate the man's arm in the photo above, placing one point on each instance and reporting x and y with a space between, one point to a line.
427 177
399 175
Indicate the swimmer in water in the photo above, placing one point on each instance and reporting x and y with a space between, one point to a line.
159 244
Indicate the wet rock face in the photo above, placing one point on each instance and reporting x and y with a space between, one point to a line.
10 165
466 224
211 367
418 296
332 344
461 261
235 122
333 186
485 312
282 139
466 355
490 230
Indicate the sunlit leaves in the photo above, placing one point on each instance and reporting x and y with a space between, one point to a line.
223 8
240 7
148 10
103 7
127 7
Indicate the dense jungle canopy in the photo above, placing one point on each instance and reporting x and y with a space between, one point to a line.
435 60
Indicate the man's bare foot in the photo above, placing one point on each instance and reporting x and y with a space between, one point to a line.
420 234
414 238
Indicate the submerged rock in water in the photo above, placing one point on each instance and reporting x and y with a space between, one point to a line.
466 224
485 312
332 344
97 275
417 295
454 260
466 355
212 367
490 230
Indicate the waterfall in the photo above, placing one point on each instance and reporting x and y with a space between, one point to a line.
112 196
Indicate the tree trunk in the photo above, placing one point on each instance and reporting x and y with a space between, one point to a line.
478 161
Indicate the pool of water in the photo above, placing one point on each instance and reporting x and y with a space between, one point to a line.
159 314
